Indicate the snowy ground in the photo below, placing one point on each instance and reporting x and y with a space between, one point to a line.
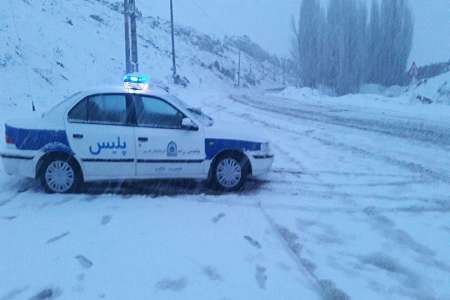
356 207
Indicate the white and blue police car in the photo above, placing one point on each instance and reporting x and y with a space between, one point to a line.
130 132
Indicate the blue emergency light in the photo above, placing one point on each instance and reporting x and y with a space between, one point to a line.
136 81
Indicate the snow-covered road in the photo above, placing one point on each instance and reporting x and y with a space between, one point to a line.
356 208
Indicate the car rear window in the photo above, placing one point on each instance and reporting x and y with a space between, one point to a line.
79 112
102 109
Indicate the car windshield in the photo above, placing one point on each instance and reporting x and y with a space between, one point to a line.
54 108
197 113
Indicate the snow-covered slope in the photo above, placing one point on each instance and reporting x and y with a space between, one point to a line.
52 48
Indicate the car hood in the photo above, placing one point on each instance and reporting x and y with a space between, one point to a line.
233 131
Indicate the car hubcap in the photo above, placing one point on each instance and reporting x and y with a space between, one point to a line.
59 176
229 172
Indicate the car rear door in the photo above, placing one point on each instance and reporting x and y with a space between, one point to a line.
101 135
163 148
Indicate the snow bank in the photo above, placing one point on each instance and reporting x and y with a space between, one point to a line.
405 104
436 89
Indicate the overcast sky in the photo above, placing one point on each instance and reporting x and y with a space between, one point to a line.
268 22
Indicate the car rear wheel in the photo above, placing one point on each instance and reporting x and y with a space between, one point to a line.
60 175
229 173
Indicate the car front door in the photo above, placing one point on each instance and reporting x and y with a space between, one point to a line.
164 149
99 133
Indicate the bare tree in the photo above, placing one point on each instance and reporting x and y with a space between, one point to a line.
306 42
342 49
396 37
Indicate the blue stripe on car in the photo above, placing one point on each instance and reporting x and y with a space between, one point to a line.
36 139
215 146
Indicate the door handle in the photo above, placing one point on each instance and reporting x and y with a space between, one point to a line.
77 136
143 139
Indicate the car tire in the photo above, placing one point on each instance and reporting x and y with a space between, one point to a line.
229 172
60 175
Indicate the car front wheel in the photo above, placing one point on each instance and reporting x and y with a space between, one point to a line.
60 175
229 173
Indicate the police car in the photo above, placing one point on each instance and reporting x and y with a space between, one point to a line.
129 132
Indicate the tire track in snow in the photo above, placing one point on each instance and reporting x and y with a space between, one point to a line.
300 168
330 209
421 132
325 288
441 204
10 198
407 165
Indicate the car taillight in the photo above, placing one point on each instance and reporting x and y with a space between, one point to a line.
9 140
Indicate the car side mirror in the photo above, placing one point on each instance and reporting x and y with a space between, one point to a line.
188 124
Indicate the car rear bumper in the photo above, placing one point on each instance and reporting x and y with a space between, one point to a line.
18 164
261 164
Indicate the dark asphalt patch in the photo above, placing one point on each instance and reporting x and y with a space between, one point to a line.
84 262
217 218
252 242
212 273
105 220
13 294
58 237
174 285
329 291
47 294
261 277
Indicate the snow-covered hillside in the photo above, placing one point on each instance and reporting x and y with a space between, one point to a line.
52 48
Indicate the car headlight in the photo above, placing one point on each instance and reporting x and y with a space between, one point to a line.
265 148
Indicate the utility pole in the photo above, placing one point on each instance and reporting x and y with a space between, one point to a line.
134 49
174 64
127 37
239 70
131 51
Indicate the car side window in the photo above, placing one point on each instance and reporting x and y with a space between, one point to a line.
109 109
157 113
101 109
79 112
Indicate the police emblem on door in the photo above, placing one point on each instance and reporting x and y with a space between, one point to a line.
172 149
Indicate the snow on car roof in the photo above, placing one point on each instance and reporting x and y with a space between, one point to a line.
152 91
